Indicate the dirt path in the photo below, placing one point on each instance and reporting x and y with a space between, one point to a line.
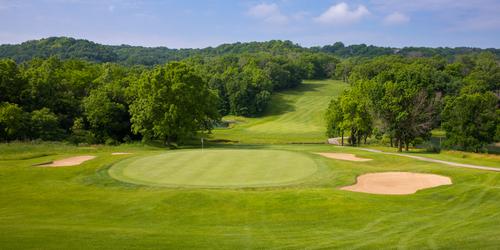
450 163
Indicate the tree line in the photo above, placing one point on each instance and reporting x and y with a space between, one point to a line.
370 51
402 99
82 101
70 48
104 96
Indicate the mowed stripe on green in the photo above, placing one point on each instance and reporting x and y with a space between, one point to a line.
292 116
216 168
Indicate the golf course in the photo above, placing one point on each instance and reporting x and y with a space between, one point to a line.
272 184
242 125
296 115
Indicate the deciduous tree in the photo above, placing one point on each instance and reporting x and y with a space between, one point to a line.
171 103
470 120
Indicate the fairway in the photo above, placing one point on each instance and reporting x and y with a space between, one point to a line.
216 168
292 116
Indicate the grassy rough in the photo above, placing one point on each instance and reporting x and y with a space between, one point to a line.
82 207
489 160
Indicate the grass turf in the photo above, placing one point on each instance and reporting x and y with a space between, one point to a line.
216 168
292 116
83 207
489 160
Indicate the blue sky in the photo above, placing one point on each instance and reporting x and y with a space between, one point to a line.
190 23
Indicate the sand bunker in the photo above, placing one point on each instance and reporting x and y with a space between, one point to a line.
121 153
342 156
72 161
396 183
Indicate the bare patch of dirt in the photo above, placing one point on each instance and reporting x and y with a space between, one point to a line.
72 161
343 156
396 183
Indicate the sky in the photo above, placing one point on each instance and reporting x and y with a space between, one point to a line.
202 23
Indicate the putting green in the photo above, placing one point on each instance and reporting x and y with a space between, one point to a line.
216 168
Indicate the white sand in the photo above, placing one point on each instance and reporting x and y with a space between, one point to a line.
343 156
72 161
396 183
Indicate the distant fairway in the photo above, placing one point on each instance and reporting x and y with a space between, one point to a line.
292 116
216 168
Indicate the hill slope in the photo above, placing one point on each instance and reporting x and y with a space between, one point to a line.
66 47
292 116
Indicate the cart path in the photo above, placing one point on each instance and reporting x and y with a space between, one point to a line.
450 163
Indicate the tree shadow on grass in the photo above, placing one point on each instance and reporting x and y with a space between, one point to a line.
280 104
304 88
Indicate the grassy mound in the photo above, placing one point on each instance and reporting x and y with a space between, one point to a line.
216 168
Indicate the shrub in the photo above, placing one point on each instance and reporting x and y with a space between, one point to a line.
127 139
111 142
45 125
81 135
432 148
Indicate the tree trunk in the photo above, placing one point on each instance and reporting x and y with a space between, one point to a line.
407 145
353 138
400 145
342 138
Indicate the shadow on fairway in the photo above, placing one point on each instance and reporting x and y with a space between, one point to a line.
281 105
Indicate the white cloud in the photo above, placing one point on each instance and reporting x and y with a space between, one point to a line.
269 13
299 16
435 5
341 13
396 18
451 15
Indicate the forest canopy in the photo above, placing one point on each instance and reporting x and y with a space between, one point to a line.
404 99
70 48
84 101
75 90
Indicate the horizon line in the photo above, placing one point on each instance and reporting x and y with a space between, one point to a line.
243 42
